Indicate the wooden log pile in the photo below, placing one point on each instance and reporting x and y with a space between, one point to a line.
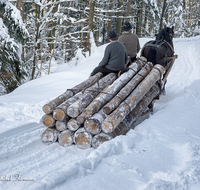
101 108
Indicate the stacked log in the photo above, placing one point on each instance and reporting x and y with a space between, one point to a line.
113 120
101 108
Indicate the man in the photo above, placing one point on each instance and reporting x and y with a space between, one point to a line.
115 56
130 41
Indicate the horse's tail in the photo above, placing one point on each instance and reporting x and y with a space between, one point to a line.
151 55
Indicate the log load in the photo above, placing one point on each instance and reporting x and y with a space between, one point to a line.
135 117
113 120
105 108
102 98
108 93
48 108
124 92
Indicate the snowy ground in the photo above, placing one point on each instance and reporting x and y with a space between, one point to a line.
162 153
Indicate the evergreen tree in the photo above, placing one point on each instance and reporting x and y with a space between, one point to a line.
12 34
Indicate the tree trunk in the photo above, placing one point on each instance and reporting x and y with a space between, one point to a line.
37 35
162 15
60 113
49 107
82 138
49 136
93 124
61 125
139 19
110 18
138 114
108 93
119 18
77 107
135 117
65 138
124 92
113 120
91 18
73 124
20 7
48 120
99 139
127 10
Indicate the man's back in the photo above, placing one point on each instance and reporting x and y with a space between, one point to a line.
131 43
114 57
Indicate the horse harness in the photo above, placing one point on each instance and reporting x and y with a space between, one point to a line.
157 45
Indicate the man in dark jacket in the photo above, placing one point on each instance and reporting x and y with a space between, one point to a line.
115 56
130 41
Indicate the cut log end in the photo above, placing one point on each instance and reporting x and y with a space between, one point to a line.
48 120
65 138
49 136
100 139
107 110
92 126
82 138
73 111
107 127
59 114
61 126
47 109
73 124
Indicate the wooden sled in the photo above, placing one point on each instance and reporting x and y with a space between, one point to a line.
101 108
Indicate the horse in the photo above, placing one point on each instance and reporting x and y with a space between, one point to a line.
161 50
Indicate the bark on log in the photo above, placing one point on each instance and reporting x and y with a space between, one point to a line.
62 125
108 93
48 120
65 138
81 118
49 136
73 124
93 124
124 92
138 114
114 119
100 139
135 117
49 107
77 107
60 113
82 138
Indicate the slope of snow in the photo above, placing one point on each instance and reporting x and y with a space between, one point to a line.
162 153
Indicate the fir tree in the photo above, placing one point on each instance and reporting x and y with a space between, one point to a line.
12 34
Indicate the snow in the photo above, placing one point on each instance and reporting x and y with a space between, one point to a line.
161 153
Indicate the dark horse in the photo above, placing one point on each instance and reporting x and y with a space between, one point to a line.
160 51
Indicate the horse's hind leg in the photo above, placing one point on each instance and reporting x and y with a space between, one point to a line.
151 55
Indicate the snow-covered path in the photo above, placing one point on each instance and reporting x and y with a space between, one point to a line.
162 153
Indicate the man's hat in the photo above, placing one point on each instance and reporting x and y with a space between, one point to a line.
112 34
127 26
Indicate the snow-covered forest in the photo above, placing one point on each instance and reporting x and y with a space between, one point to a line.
47 47
35 34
